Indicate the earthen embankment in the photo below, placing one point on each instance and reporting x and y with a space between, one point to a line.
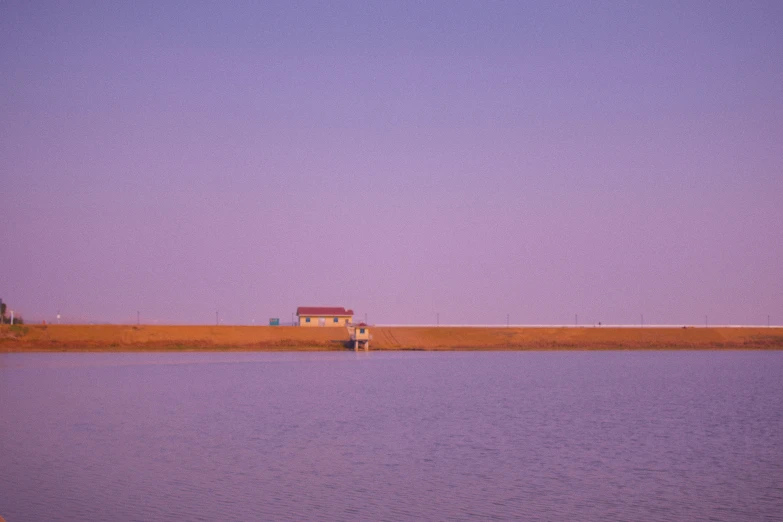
26 338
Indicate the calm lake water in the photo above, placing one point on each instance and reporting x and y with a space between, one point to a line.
392 436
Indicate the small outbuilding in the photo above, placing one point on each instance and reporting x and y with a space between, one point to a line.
360 336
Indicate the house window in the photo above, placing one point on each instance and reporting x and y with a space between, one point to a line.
335 319
361 330
307 319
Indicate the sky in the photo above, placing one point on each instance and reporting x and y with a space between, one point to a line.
461 162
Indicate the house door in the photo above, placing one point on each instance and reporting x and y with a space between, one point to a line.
322 321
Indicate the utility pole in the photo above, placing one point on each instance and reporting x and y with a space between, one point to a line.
217 321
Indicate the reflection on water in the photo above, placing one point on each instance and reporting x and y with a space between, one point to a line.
346 436
83 359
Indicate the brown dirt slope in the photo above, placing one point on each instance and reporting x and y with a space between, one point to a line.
270 338
449 338
140 338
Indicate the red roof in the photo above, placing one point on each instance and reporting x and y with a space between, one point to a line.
323 310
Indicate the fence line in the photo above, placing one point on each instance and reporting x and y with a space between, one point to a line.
574 326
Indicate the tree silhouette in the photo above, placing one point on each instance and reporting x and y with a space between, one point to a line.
5 320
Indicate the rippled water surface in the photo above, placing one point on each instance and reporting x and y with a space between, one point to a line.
392 436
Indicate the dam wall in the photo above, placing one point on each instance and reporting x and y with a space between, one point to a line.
22 338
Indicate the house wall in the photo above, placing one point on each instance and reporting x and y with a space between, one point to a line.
361 336
329 320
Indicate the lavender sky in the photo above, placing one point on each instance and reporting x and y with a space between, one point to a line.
466 159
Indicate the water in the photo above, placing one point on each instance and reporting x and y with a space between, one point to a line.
392 436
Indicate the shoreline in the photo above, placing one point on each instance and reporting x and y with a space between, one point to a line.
148 338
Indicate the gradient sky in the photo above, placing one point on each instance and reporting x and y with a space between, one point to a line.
466 159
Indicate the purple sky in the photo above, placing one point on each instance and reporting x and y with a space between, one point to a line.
470 160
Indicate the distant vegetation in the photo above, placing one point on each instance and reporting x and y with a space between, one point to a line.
4 319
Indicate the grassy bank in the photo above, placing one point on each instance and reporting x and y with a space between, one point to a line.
31 338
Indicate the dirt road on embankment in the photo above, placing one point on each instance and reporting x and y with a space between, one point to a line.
123 338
